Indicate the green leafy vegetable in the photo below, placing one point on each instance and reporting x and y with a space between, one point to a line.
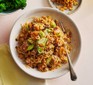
2 7
10 5
30 47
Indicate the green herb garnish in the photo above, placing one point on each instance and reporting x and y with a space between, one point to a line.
30 47
42 41
42 34
53 24
30 41
48 60
40 50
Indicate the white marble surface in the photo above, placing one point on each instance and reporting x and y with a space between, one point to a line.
84 20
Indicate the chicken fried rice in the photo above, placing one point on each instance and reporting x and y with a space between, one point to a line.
41 44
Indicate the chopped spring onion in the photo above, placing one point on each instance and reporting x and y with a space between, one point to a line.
42 41
42 34
47 31
40 50
30 41
53 24
48 60
30 47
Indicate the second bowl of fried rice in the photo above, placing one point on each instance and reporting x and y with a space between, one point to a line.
38 42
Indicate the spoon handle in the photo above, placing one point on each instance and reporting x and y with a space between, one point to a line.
72 72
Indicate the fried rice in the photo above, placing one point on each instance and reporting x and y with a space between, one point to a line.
65 4
41 44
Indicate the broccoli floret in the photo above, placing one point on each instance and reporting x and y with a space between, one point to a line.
1 1
10 5
19 3
2 7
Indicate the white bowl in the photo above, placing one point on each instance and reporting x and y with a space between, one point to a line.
68 24
67 11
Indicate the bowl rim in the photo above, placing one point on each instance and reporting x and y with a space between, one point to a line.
44 8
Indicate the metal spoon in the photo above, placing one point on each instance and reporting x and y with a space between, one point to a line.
72 72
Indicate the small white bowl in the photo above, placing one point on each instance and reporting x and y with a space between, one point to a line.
67 11
68 24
